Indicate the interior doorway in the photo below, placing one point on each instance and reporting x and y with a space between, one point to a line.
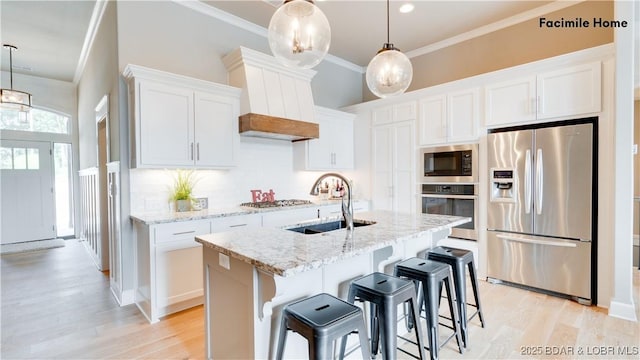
102 134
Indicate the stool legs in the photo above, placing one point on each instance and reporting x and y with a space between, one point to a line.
432 306
454 313
474 284
385 293
282 338
460 284
320 348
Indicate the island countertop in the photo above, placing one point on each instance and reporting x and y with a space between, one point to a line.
286 253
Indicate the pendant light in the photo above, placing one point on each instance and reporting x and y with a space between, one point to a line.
389 73
14 99
299 34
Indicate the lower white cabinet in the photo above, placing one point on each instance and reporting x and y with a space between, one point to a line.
281 218
168 267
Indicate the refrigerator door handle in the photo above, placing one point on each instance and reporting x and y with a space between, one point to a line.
527 182
539 183
528 240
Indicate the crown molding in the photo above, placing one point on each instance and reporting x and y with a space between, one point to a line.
94 24
241 23
489 28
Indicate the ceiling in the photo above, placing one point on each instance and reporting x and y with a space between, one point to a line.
428 23
51 35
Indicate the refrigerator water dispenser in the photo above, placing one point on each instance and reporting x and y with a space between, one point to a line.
503 185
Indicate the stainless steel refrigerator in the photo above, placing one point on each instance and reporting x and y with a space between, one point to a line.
541 206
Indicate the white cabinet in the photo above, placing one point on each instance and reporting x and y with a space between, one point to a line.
181 122
336 209
569 91
168 267
165 132
282 218
169 262
215 130
451 117
393 150
511 101
225 223
333 149
393 167
394 113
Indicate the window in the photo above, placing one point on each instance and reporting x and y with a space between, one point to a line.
63 171
19 158
36 120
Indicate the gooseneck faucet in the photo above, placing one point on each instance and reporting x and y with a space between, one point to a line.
347 210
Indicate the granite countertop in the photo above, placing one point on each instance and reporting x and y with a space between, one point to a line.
286 253
151 218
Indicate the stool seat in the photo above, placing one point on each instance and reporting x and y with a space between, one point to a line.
322 319
451 254
384 293
321 310
430 275
459 259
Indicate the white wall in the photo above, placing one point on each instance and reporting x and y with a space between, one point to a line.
168 36
47 93
99 78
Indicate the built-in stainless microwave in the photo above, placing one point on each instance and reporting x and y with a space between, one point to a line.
453 163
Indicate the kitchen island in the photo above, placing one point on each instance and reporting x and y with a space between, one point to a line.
250 274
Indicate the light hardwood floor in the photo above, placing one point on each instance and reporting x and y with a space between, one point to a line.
55 304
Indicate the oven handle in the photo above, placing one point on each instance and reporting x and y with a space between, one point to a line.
465 197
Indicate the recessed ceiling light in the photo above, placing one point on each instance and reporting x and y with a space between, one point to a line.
406 8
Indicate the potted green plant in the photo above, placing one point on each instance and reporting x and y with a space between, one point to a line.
183 183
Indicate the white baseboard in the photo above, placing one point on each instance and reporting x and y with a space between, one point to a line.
623 311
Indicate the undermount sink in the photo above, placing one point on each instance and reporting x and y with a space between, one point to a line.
328 226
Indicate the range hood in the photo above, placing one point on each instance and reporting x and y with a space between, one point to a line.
276 100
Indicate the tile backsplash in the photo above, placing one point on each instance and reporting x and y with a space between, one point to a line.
262 164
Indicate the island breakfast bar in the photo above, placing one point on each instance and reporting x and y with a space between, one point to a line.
250 274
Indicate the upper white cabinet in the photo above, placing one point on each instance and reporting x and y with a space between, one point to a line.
215 130
333 149
450 117
394 113
393 167
569 91
392 143
510 101
181 122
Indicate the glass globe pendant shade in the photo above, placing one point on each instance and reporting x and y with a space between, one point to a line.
299 34
389 73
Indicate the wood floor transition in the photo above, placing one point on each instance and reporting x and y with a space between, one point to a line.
56 305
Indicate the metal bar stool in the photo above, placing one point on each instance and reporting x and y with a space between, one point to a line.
430 275
458 259
322 319
384 293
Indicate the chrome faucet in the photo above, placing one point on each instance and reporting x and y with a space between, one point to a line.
347 210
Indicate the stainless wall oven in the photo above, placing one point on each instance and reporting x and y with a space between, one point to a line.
454 163
456 200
